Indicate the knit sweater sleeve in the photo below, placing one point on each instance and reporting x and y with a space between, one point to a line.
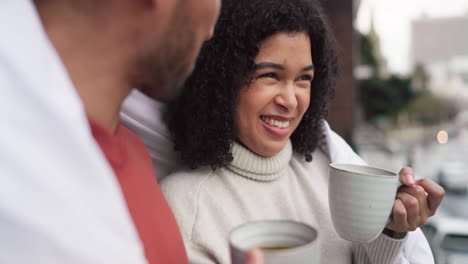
383 250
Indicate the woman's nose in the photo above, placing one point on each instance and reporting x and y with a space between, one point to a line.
287 97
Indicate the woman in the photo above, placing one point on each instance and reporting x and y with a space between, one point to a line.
250 126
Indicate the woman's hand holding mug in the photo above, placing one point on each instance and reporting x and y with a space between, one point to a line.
415 202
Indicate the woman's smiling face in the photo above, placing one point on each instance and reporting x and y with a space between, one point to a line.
270 108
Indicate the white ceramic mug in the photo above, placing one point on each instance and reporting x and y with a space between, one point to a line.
281 241
361 200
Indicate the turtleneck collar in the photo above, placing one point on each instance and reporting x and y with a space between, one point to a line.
250 165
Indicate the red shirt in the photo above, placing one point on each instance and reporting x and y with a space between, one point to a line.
150 212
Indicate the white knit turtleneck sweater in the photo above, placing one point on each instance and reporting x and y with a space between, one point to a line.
209 204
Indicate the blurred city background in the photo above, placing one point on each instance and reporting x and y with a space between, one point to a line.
402 99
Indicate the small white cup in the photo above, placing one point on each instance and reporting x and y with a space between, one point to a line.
361 200
281 241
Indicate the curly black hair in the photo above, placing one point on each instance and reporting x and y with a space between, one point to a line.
201 118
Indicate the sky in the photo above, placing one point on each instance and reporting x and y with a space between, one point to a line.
392 21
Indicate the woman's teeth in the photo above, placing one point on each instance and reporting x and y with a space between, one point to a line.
275 123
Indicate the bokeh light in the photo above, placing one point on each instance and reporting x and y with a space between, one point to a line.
442 137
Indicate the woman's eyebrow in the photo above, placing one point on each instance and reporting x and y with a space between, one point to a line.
264 65
309 68
277 66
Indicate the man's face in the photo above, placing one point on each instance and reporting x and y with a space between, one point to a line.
166 65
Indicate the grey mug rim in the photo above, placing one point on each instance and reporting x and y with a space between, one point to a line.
282 251
392 174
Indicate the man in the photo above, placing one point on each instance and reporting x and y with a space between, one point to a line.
65 68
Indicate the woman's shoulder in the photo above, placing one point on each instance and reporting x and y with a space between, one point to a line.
183 182
337 149
320 159
182 190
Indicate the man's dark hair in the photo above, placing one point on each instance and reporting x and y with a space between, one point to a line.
201 118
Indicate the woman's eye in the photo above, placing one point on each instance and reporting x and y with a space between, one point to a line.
272 75
306 77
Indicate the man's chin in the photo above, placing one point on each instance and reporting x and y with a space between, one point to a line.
163 94
175 88
173 91
168 84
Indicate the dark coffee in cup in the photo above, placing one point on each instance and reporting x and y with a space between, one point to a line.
275 247
281 241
